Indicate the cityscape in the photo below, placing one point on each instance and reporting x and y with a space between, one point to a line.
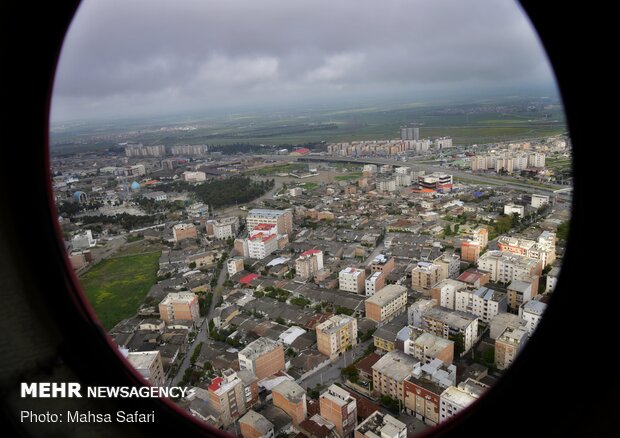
371 287
313 219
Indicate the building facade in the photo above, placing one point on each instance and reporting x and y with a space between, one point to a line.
263 357
180 306
387 303
335 335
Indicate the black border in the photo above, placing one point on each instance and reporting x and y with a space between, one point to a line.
562 383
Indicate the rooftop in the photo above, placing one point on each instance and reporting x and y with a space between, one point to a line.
396 365
334 323
457 396
291 391
535 307
257 421
178 298
453 318
387 294
352 271
258 347
142 359
338 395
266 212
381 425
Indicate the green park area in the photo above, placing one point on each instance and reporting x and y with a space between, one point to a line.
116 287
349 176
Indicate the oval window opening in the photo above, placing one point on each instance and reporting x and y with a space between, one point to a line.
312 218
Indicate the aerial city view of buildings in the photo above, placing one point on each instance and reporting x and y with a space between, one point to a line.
362 289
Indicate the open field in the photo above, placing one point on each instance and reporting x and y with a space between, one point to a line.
116 287
488 121
349 176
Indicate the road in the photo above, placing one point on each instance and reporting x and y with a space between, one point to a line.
331 373
203 330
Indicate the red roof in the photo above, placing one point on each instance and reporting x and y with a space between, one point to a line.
301 151
311 251
215 384
248 278
263 227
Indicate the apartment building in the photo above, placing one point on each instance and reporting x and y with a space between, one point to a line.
309 263
227 396
234 265
455 325
483 302
427 347
449 265
424 276
543 249
340 408
352 280
381 425
224 228
508 346
263 357
505 267
149 364
382 264
283 219
375 282
532 312
336 334
387 303
291 398
254 425
184 231
457 398
180 306
389 373
470 251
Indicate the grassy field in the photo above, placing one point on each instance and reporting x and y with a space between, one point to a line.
308 185
349 176
116 287
279 168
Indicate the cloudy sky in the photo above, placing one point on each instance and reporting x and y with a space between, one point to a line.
142 57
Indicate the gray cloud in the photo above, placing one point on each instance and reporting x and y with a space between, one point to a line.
125 57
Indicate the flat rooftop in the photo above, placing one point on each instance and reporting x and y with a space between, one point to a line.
396 365
453 318
258 347
290 390
387 294
142 359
